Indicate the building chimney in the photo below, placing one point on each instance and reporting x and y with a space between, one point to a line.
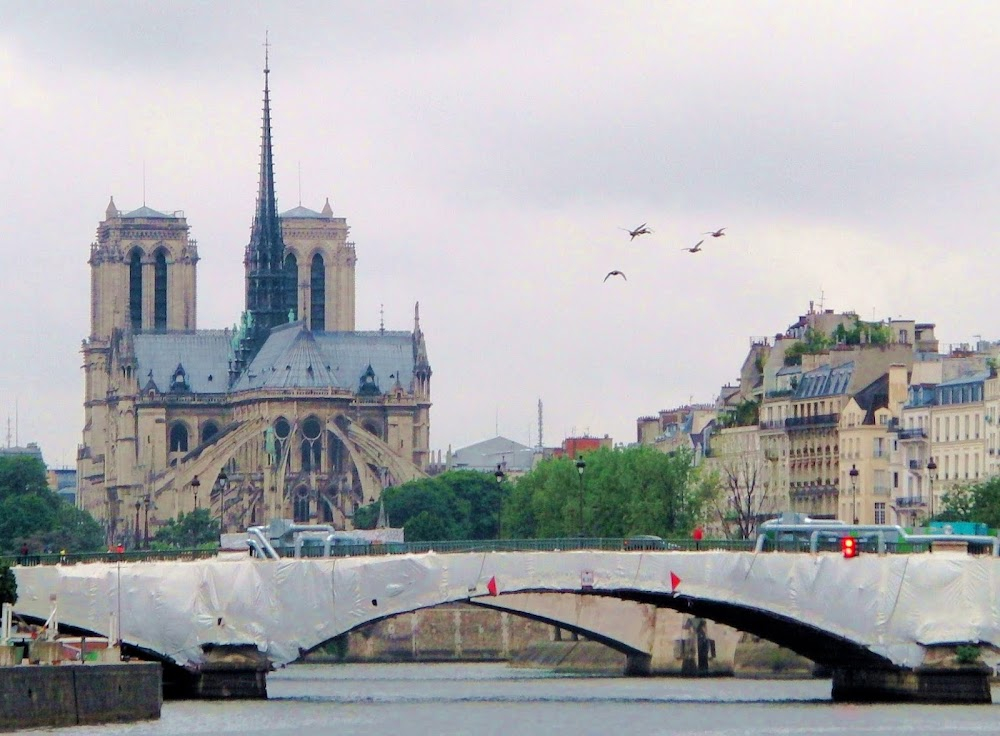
897 388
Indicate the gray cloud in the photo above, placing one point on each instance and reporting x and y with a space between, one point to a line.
485 156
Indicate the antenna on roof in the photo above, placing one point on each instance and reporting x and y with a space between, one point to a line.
381 318
540 444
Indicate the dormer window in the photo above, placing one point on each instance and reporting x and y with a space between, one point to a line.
178 381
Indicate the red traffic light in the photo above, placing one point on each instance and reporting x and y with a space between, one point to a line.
849 546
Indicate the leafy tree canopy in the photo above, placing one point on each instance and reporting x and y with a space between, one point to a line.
32 514
813 342
459 504
979 503
874 333
188 531
635 490
745 414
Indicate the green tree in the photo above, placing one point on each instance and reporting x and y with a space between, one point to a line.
745 414
958 504
188 531
32 514
813 342
979 502
8 585
624 491
460 504
23 475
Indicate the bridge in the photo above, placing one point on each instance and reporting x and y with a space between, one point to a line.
917 627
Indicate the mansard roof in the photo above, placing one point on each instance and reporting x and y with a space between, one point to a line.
873 397
964 380
205 355
294 357
825 381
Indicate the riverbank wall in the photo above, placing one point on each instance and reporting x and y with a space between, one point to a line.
41 696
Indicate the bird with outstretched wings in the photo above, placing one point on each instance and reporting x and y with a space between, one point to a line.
636 232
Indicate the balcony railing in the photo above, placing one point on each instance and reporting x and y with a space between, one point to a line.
773 424
910 502
811 491
817 420
913 434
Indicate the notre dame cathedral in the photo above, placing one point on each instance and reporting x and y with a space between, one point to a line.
291 413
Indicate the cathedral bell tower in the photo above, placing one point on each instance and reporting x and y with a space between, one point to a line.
269 296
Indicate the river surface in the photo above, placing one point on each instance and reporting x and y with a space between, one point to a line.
493 699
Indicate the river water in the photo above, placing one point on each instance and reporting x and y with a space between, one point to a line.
493 699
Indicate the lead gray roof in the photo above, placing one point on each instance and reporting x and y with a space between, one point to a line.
147 212
204 355
294 357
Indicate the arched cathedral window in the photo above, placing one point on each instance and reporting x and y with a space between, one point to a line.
208 431
312 449
135 289
178 438
290 272
300 509
317 298
160 291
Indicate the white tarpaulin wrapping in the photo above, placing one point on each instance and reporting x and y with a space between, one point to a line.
893 605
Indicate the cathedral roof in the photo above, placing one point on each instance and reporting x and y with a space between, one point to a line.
294 357
305 212
147 212
205 355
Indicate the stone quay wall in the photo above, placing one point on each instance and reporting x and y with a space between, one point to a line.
39 696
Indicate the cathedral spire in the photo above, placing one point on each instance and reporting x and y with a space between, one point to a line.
265 287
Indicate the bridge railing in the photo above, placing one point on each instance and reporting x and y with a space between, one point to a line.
565 544
74 558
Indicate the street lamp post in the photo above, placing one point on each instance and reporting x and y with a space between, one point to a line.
145 525
222 500
499 474
853 472
931 468
580 466
195 485
138 505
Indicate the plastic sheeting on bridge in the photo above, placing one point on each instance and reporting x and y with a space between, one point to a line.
893 605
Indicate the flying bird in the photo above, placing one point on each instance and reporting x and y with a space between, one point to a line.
641 230
716 233
696 249
615 273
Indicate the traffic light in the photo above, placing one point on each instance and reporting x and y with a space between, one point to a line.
849 546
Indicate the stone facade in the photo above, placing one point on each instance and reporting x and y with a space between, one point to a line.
305 419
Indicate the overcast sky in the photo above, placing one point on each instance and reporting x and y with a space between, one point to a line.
486 156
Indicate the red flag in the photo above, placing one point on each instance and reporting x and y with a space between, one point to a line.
674 581
492 586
